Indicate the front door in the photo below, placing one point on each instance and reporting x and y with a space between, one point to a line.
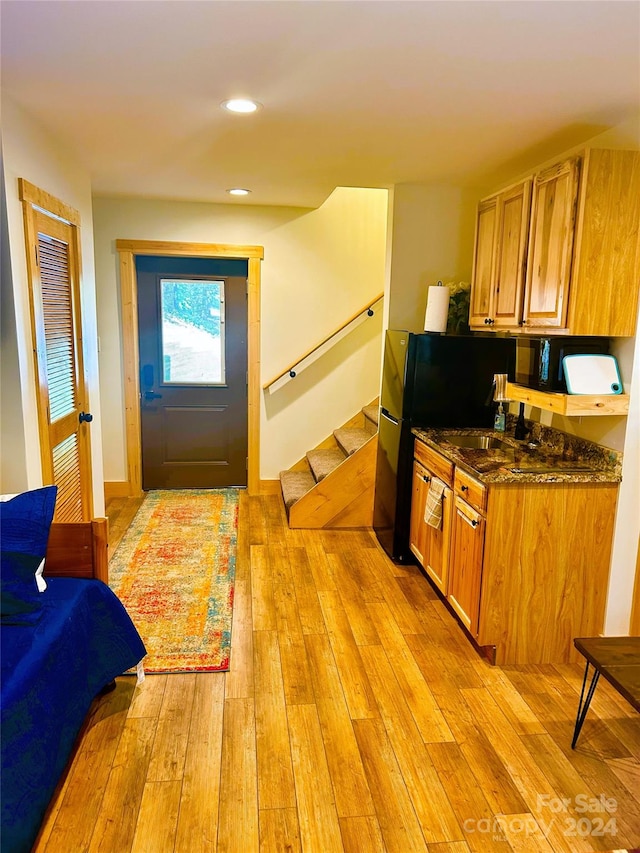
192 322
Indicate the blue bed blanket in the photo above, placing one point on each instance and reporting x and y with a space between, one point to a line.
51 673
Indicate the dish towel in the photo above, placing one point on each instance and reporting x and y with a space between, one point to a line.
433 507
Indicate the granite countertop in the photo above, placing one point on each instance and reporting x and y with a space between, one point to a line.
546 456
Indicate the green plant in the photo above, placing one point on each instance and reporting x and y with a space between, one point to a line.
458 316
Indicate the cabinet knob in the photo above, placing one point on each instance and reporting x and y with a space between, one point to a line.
488 321
426 479
464 488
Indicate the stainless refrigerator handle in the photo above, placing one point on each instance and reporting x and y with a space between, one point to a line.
389 417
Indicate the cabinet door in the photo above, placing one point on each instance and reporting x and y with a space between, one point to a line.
465 571
437 552
551 240
417 532
513 231
430 544
606 267
484 264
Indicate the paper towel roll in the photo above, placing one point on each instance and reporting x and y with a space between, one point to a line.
435 319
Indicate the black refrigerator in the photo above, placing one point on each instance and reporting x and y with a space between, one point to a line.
428 380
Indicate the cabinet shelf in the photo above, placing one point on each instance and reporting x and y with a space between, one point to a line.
570 405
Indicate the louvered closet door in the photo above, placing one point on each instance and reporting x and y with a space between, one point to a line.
65 439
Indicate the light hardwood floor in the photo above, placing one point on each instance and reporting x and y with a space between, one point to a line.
355 717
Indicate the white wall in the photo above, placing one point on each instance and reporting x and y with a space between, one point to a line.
627 529
13 454
320 267
30 152
431 239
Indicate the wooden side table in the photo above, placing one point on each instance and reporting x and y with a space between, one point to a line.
618 659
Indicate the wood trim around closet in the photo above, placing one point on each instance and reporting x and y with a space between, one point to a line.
127 250
49 203
634 622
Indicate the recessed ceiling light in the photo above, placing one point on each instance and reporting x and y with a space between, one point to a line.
238 191
240 105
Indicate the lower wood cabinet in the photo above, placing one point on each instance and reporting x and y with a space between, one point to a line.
465 565
525 567
419 533
545 569
429 544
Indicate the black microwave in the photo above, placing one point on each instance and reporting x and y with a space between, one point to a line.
539 359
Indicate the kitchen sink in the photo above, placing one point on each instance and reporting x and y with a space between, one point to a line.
478 442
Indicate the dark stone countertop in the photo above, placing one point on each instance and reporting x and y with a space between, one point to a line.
546 456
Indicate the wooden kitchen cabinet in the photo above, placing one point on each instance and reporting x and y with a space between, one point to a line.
500 251
418 529
524 566
545 569
582 258
465 568
604 290
484 261
428 544
553 213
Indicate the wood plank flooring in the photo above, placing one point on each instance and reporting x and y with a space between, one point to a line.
355 717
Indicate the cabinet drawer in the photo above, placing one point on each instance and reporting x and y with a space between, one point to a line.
437 464
470 490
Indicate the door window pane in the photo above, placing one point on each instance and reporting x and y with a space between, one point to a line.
192 332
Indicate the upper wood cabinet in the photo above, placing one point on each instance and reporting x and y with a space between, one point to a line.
553 212
483 283
500 251
583 255
605 277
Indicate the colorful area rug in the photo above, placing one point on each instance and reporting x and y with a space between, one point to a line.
174 572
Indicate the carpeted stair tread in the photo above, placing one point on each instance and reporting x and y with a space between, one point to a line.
371 418
322 462
351 438
295 484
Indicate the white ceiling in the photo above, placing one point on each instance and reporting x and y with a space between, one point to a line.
363 93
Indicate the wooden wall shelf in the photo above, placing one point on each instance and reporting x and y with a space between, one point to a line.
570 405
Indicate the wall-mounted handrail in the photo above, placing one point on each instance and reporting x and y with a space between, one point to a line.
294 368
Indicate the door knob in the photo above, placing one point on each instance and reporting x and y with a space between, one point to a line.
151 395
85 417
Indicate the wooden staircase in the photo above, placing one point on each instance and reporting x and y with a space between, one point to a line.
333 485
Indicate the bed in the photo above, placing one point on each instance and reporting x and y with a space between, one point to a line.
60 647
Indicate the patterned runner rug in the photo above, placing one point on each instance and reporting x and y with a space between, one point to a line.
174 572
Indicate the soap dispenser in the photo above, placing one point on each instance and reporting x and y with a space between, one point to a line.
500 419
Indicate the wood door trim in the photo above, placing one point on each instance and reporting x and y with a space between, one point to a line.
49 204
127 250
200 250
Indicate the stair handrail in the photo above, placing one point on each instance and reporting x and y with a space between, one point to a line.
291 368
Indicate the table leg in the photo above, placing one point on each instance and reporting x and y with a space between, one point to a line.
584 703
